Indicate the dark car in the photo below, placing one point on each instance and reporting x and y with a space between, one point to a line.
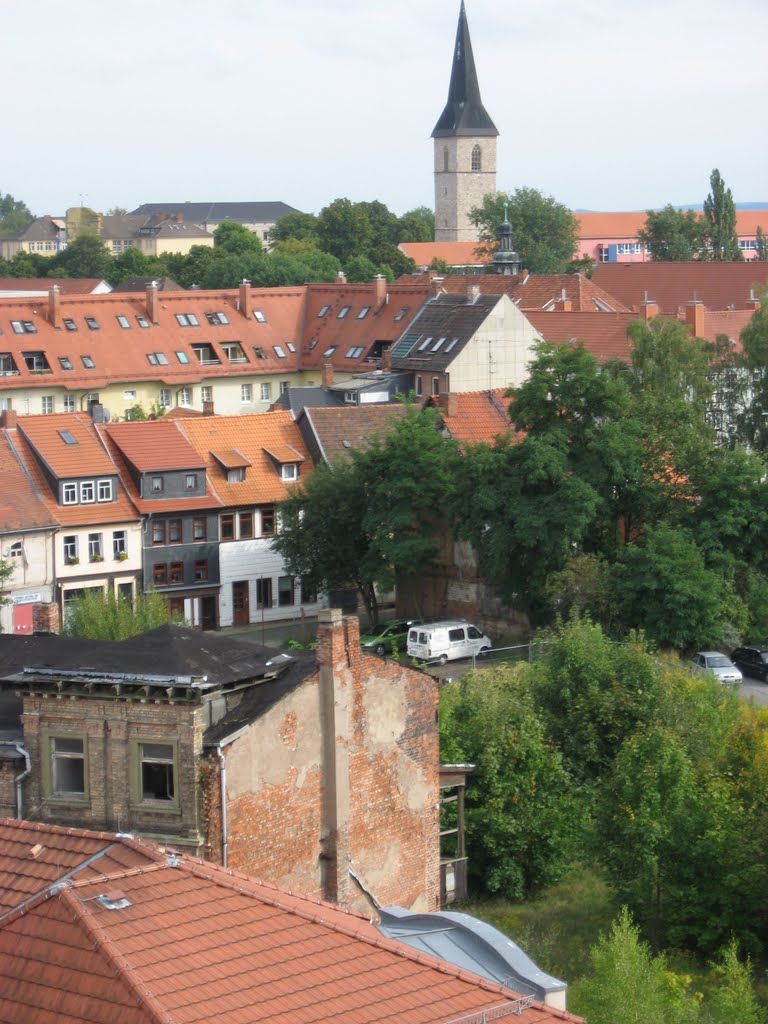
753 661
386 635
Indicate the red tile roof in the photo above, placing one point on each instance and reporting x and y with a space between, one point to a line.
474 417
338 429
196 942
455 254
155 446
603 334
673 285
536 291
21 504
67 285
627 225
258 442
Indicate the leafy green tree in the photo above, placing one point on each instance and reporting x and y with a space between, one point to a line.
344 229
732 998
417 225
296 225
629 985
664 588
762 245
235 239
385 229
674 236
117 211
87 256
544 232
752 424
131 262
108 617
384 502
522 818
360 269
15 215
6 572
720 219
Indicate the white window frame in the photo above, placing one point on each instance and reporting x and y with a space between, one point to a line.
87 492
69 494
246 394
104 490
266 392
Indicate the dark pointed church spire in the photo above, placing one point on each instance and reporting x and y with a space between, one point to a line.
464 112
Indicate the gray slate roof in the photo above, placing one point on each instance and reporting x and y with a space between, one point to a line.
464 112
204 213
450 317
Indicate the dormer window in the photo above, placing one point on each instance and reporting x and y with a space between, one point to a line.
7 365
289 471
236 475
234 352
35 361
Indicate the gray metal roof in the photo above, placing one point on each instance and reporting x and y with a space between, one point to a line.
471 945
201 213
440 331
464 113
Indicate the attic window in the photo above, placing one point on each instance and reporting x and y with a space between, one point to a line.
67 437
115 900
69 323
438 344
23 327
279 351
162 358
35 361
152 357
363 312
187 320
142 320
217 318
322 312
259 317
401 314
88 362
312 344
182 357
424 343
92 322
290 346
236 475
289 471
65 362
329 351
355 352
259 352
124 322
451 344
342 312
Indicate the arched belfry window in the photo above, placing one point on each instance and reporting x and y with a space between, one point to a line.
476 159
445 158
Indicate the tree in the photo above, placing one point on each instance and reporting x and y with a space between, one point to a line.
295 225
132 262
663 587
87 256
6 572
673 236
720 220
752 421
544 232
117 211
344 229
235 239
762 245
373 516
108 617
629 984
417 225
15 215
522 818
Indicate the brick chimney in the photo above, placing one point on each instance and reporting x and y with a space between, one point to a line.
451 404
54 303
9 418
437 284
327 374
45 618
649 308
380 285
341 277
208 408
386 358
563 304
337 656
245 298
694 317
152 305
753 302
473 293
179 217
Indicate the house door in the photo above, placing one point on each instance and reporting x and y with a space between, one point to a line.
22 619
240 603
208 617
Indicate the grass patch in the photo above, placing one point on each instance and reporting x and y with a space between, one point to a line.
558 928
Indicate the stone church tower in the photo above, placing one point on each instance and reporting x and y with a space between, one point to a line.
465 147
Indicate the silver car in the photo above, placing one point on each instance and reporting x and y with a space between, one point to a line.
720 665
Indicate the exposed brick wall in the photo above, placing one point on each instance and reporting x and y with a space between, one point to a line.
111 730
8 772
45 618
340 780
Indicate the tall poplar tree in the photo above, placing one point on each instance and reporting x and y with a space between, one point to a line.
720 218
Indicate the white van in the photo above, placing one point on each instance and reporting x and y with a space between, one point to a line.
446 641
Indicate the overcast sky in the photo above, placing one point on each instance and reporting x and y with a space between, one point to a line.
605 104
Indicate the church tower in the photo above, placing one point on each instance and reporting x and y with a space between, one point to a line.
465 147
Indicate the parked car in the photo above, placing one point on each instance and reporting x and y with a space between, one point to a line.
720 665
447 641
753 661
381 639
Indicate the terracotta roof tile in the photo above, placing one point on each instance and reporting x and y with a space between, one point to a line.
537 291
21 504
603 334
627 225
719 286
455 254
340 429
474 417
253 437
154 445
197 942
